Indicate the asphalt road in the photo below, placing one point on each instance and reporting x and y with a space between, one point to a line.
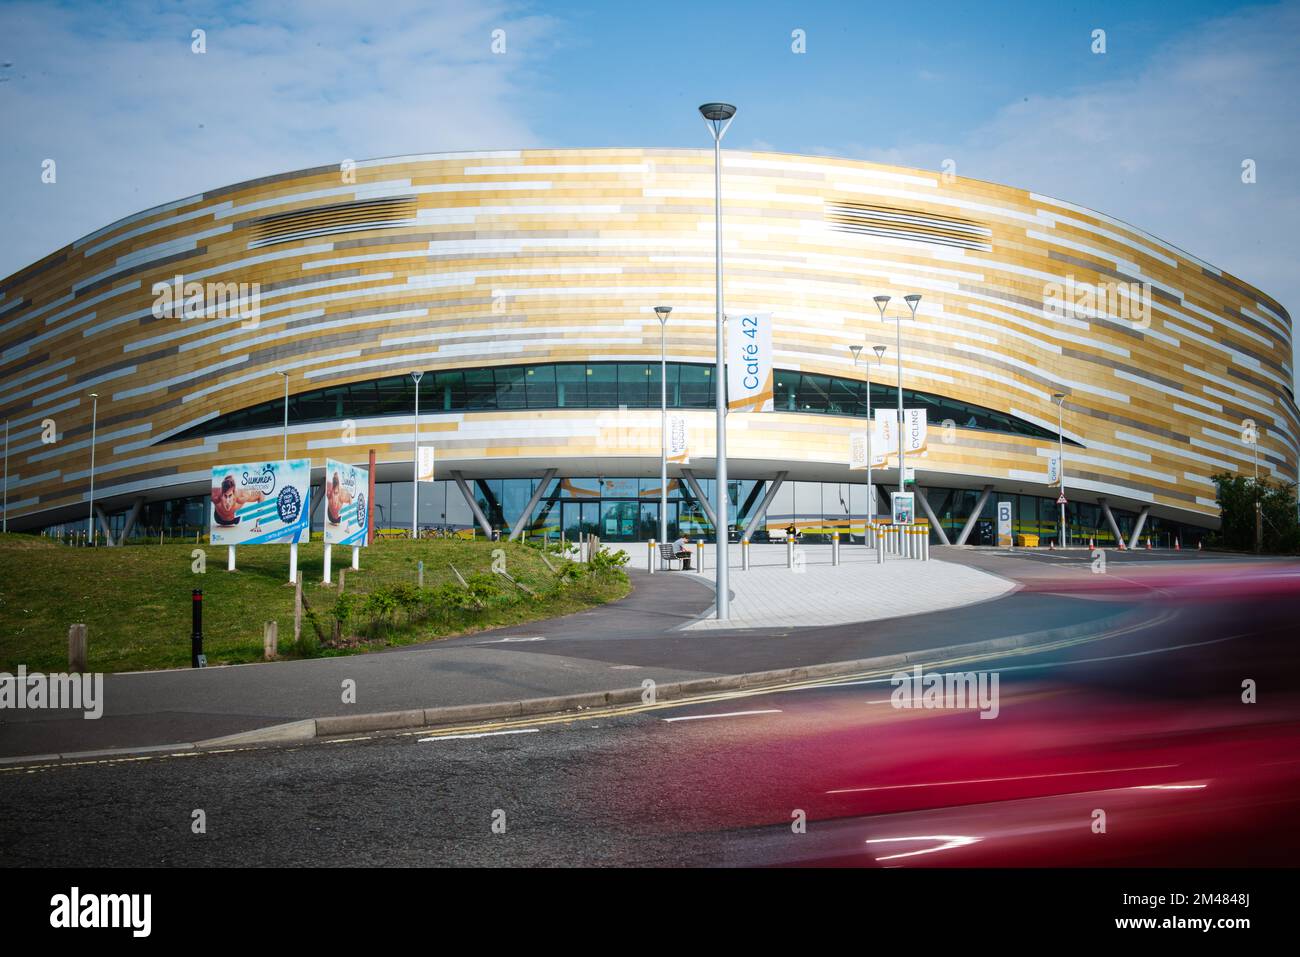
1145 723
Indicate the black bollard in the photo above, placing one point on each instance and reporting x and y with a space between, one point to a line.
196 633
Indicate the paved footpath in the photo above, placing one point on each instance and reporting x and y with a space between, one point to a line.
646 635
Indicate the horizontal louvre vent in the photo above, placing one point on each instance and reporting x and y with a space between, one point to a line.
907 224
338 218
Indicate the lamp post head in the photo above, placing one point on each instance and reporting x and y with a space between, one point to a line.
881 302
717 112
1059 397
417 376
879 351
662 312
855 350
717 117
913 300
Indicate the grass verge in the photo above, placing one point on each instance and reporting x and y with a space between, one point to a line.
135 601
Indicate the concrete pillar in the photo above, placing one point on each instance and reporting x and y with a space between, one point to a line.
974 515
761 513
1140 524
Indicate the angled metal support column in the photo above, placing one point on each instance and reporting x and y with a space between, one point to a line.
527 514
760 514
974 515
130 519
473 504
1110 520
700 497
929 513
103 526
1137 528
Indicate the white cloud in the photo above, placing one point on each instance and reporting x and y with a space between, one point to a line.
133 118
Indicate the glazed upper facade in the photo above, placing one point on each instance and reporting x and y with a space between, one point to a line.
463 261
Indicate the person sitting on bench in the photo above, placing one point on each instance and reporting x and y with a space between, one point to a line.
680 550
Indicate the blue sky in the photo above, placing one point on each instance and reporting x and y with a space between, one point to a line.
1153 131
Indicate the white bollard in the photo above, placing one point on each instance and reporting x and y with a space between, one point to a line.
293 563
699 557
329 560
789 552
744 555
230 558
650 556
835 548
356 557
878 535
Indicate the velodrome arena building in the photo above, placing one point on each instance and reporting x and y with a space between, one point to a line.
522 283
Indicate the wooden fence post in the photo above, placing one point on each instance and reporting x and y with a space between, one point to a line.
77 648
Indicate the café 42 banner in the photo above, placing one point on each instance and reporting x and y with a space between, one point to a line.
749 363
261 503
346 513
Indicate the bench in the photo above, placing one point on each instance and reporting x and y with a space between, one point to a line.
668 553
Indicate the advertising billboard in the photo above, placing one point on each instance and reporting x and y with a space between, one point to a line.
1004 524
347 514
261 503
679 443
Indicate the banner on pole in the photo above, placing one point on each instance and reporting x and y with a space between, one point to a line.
679 441
915 430
261 503
749 363
424 472
346 513
869 443
1054 470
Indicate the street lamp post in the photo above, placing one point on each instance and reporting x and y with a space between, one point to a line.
286 415
662 312
94 419
913 300
718 117
871 491
1060 456
415 463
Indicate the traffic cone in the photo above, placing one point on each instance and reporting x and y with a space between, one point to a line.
1148 544
1198 544
1178 544
1091 546
1051 544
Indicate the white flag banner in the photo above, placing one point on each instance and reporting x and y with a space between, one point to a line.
749 363
915 430
862 443
679 442
425 471
1054 470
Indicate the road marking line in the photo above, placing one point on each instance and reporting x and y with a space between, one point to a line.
728 714
482 734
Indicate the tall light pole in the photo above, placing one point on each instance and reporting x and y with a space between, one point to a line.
1060 456
415 464
94 419
662 312
718 117
286 415
913 300
1259 512
871 492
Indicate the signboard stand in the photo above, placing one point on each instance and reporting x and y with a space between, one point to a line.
356 557
230 558
329 554
293 563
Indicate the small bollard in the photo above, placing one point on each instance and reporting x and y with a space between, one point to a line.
77 648
699 557
197 658
650 556
789 552
879 535
270 639
835 548
419 574
744 555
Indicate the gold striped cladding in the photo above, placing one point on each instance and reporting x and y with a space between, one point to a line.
509 257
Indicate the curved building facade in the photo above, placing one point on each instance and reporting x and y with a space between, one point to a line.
523 284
